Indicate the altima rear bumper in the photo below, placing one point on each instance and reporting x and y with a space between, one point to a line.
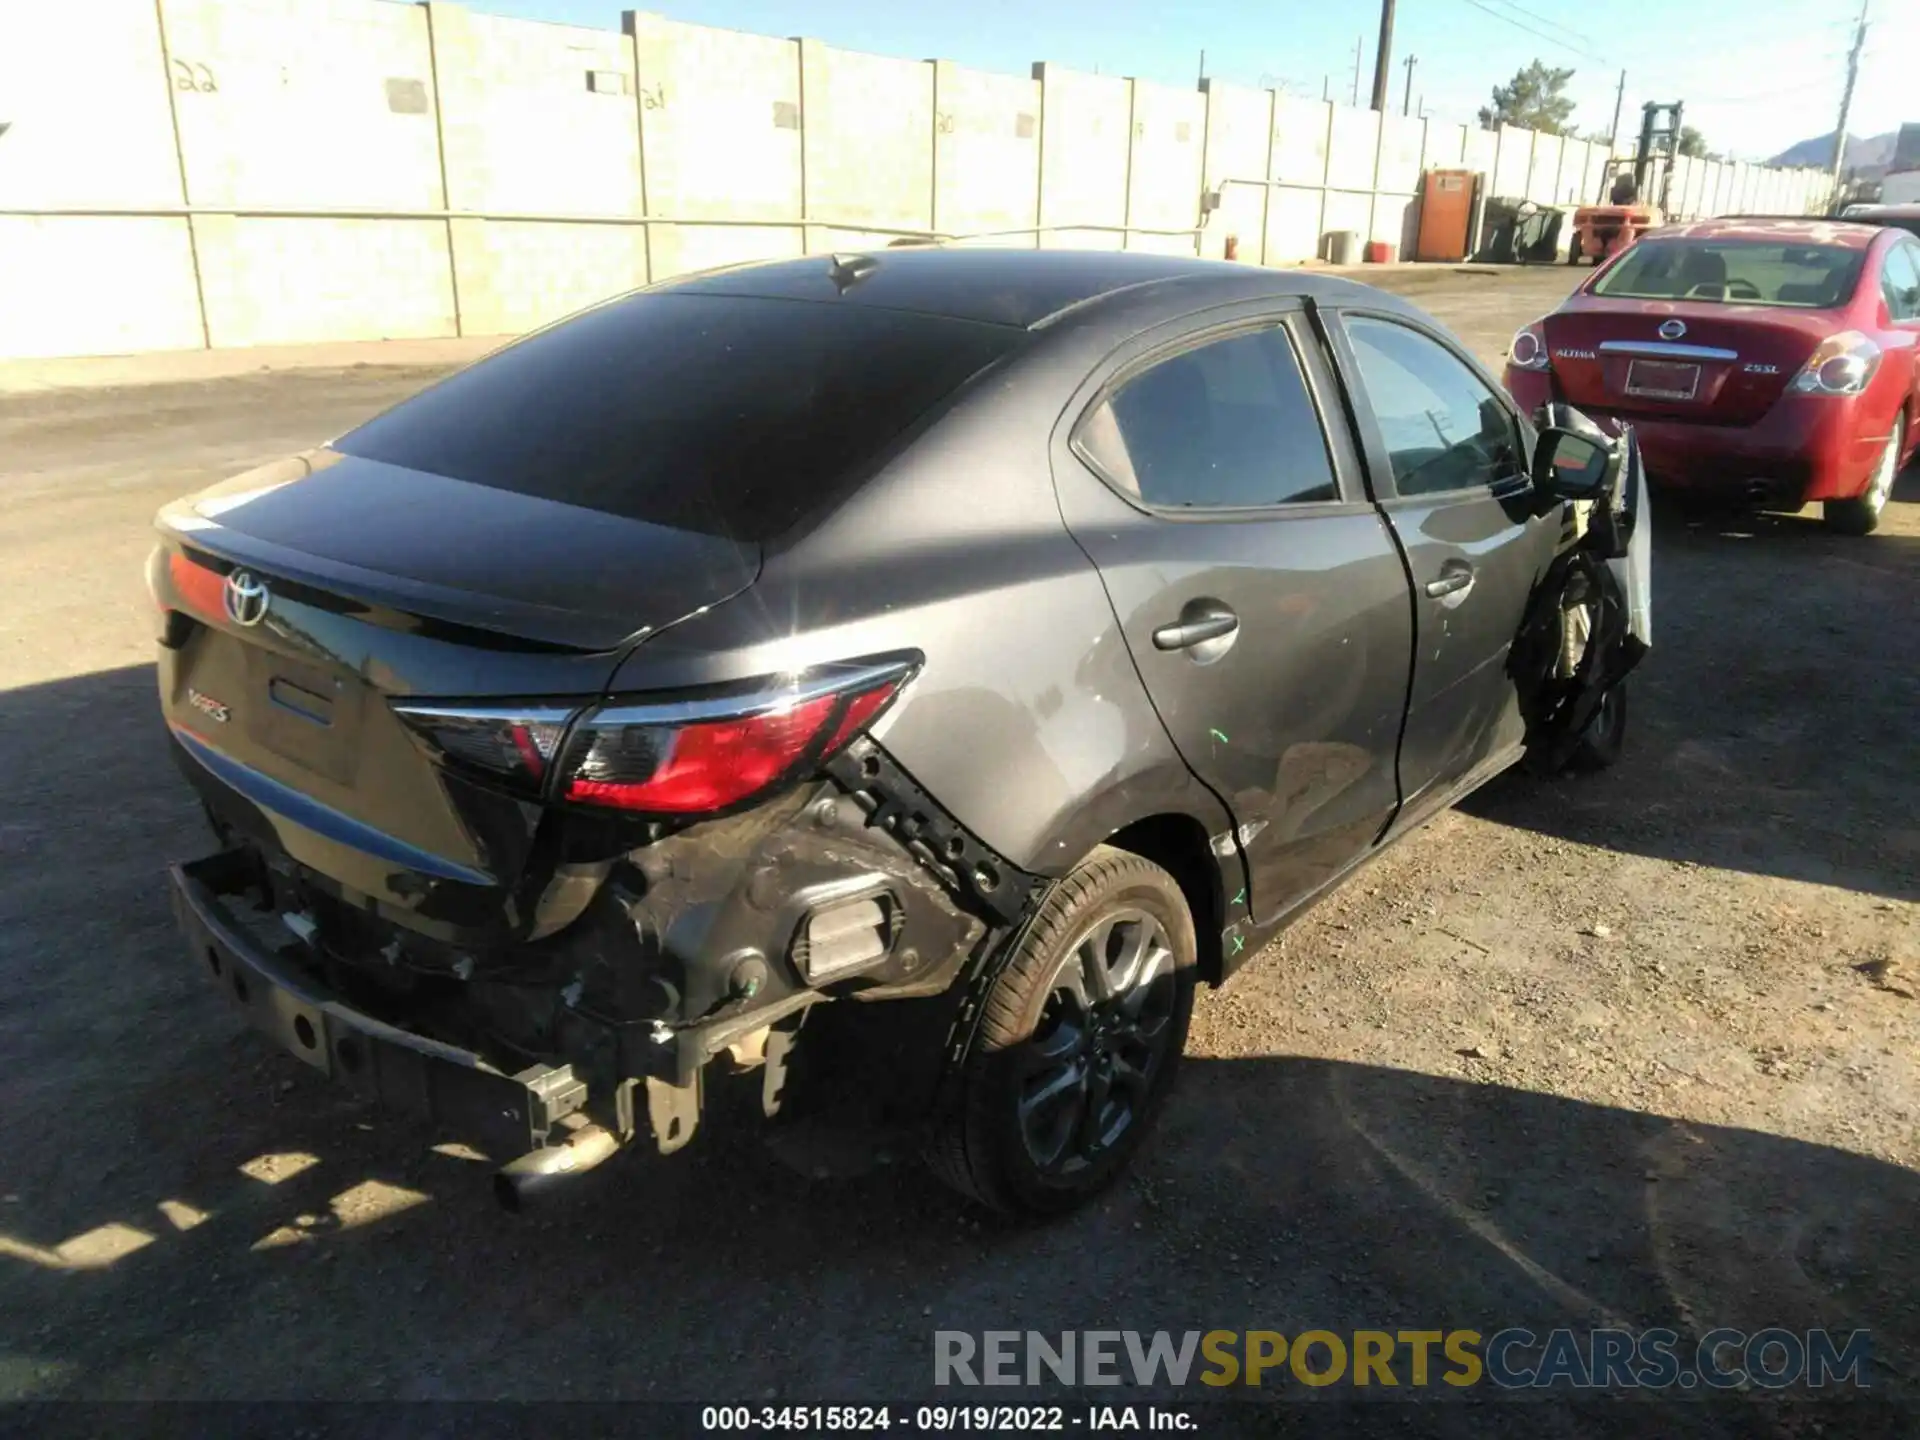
506 1114
1804 449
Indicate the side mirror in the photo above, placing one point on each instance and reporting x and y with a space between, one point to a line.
1573 458
1570 467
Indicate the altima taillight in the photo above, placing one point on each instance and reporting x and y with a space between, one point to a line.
1842 365
666 756
1529 349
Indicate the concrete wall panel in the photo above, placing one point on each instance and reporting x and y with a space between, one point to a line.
1568 185
1392 217
1239 133
1163 171
1514 163
719 123
516 275
1482 154
1242 215
319 104
1084 127
1293 224
1444 147
1353 149
1543 172
291 282
1401 141
536 119
1598 179
867 127
986 168
1301 136
679 249
1348 210
82 285
83 91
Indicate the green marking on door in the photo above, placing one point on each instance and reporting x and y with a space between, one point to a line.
1221 736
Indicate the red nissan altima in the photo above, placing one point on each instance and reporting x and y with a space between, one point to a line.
1766 363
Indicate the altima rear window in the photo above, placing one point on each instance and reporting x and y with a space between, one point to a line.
1735 272
727 416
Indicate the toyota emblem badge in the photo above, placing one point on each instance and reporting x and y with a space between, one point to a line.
246 598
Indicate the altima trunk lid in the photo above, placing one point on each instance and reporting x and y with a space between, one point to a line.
1711 363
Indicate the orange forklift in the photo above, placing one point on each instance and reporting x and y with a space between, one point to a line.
1602 231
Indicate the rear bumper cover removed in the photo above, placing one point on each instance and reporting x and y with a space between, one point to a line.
412 1074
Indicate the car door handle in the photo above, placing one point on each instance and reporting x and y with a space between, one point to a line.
1189 633
1454 577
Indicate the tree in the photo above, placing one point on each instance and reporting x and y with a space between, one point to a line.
1535 98
1692 142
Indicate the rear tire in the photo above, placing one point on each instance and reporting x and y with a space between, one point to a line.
1069 1070
1860 515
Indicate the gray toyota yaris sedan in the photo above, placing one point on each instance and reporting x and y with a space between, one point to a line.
893 679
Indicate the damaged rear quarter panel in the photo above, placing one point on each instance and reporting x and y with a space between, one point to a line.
1027 721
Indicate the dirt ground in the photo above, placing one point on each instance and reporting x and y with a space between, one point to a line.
1635 1049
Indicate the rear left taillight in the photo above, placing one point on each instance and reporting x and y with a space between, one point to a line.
667 756
1529 349
1842 365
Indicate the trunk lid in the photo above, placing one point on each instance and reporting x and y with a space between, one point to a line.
364 583
406 543
1727 366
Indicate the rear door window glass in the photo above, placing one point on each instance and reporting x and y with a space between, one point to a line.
1444 429
1736 272
1226 425
724 415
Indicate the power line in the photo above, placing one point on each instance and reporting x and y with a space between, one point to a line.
1537 33
1545 20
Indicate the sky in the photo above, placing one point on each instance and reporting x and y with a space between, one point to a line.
1756 75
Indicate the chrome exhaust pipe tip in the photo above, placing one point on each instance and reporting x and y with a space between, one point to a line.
549 1168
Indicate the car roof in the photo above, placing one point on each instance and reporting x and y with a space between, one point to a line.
1026 288
1813 230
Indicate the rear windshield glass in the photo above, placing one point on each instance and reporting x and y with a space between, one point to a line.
727 416
1735 272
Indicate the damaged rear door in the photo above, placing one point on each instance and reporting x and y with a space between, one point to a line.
1262 599
1449 457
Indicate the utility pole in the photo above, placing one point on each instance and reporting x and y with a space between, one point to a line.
1406 98
1385 55
1326 88
1203 67
1619 99
1846 97
1357 42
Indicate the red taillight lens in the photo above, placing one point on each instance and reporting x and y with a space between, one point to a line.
663 757
646 758
692 768
195 586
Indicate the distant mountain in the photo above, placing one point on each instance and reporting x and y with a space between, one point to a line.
1873 152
